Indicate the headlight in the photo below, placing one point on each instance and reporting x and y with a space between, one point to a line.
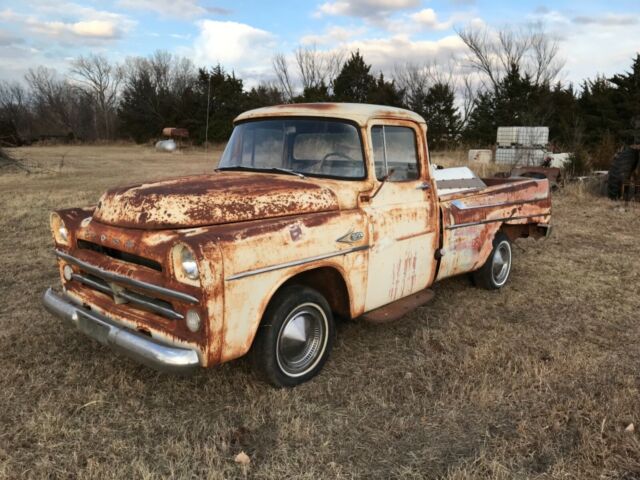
185 265
189 265
67 273
193 320
60 232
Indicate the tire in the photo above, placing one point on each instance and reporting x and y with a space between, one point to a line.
623 165
295 337
494 274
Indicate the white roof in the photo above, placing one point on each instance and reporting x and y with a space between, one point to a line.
361 113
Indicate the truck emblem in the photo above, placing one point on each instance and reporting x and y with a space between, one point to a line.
296 232
351 237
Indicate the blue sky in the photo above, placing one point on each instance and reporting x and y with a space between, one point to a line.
595 37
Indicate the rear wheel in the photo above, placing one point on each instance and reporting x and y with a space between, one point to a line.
622 166
295 337
496 270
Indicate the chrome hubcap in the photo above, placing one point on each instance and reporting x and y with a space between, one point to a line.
302 340
501 264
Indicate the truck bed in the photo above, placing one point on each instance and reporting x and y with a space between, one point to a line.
471 219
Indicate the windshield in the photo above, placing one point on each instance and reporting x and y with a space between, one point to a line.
328 148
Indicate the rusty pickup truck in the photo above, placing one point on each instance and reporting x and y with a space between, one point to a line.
315 212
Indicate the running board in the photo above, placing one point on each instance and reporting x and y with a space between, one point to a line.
399 308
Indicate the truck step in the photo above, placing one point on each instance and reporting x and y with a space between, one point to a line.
399 308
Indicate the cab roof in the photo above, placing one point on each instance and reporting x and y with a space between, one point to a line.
361 113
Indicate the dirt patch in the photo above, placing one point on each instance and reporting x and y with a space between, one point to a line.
538 380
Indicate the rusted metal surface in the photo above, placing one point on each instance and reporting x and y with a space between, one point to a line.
252 233
398 309
553 174
175 132
470 222
224 197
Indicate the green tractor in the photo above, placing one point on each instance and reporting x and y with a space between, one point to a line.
624 174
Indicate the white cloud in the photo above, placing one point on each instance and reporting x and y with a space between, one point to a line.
592 45
168 8
389 52
429 19
609 19
79 22
365 8
237 46
333 35
93 28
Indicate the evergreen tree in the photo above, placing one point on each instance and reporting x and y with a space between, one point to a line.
598 111
263 96
626 100
354 82
144 107
318 93
226 101
385 93
442 116
481 126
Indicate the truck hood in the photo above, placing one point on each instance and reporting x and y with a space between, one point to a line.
222 197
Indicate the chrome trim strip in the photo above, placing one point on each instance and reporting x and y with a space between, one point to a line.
114 277
461 206
482 222
295 263
148 351
132 297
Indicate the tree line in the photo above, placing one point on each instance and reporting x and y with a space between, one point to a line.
509 77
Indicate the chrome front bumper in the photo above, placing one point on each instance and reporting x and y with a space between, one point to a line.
140 348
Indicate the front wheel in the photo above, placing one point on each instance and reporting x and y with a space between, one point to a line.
495 272
295 337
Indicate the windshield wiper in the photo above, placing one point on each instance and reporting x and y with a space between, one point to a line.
287 170
236 167
255 169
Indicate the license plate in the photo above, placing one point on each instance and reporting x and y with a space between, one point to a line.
93 329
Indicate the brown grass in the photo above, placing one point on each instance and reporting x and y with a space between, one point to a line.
538 380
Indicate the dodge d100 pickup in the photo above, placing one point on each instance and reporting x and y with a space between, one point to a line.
315 211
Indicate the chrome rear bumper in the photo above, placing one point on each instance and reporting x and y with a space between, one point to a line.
139 347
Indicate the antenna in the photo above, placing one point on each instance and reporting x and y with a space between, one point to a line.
206 131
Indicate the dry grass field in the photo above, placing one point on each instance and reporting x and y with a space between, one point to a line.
538 380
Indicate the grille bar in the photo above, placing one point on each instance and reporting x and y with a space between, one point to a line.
114 277
151 304
119 254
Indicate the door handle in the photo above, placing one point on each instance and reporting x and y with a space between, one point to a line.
424 186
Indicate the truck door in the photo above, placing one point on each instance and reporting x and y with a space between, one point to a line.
402 215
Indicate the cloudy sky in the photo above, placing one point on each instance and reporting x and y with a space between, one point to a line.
595 36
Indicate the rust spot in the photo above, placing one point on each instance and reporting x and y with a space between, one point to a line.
225 197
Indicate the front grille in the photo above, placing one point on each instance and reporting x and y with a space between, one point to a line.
123 295
120 255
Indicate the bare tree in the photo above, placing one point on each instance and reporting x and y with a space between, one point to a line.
51 97
283 77
100 80
15 108
415 80
493 53
314 69
546 60
469 93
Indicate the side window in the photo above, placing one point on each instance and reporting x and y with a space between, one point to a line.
395 153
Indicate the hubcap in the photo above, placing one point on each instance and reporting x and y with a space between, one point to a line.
302 340
501 264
